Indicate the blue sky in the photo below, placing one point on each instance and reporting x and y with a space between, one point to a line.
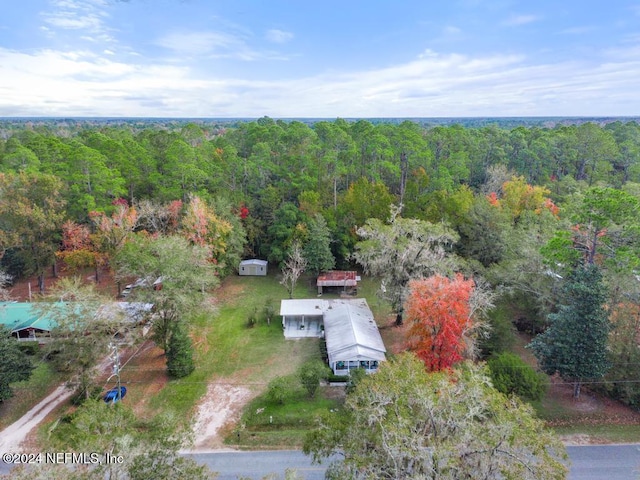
348 58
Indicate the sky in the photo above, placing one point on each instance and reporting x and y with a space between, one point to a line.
327 58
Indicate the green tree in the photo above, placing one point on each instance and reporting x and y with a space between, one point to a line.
403 422
310 374
317 250
31 217
149 448
184 269
575 344
364 200
278 390
510 374
15 366
402 250
620 382
83 327
179 352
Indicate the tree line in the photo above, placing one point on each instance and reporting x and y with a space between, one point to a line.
516 208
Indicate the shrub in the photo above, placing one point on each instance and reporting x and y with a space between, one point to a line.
355 377
310 375
268 312
337 378
510 374
278 390
29 348
252 319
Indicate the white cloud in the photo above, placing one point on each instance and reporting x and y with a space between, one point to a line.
188 45
51 82
451 30
517 20
201 43
85 15
278 36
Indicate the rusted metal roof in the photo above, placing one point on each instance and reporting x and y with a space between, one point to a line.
338 278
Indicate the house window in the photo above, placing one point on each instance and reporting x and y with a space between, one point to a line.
341 366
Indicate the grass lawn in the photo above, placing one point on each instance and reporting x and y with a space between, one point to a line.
268 425
601 433
29 392
227 350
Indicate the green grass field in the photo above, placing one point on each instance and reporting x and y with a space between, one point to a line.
26 394
226 349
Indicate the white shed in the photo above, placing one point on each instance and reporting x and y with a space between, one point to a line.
253 267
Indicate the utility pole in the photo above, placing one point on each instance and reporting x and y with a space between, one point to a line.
115 356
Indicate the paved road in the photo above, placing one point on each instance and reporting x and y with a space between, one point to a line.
605 462
601 462
598 462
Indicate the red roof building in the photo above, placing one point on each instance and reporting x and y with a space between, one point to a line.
338 278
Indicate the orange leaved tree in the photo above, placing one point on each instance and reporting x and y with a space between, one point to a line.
439 310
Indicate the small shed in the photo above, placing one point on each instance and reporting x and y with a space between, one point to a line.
345 281
253 267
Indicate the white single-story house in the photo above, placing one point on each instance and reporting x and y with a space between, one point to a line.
352 336
303 318
25 322
253 267
32 322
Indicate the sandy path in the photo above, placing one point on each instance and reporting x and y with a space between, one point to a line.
12 437
221 406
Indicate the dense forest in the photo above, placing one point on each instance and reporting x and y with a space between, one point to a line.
521 204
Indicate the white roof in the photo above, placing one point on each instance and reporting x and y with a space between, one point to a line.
127 311
307 307
254 261
351 331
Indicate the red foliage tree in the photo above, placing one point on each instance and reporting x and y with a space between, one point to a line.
439 313
77 250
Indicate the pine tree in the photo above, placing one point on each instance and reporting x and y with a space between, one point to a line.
575 344
317 251
179 353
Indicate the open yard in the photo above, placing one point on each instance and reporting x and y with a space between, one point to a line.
235 364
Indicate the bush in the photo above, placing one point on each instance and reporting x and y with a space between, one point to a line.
29 348
310 375
337 378
80 395
278 390
355 377
253 318
268 312
510 374
501 336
